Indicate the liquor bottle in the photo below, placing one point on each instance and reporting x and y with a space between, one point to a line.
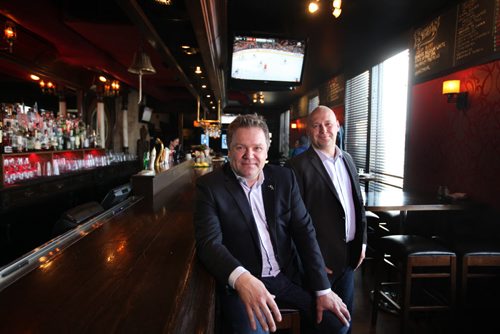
1 134
7 138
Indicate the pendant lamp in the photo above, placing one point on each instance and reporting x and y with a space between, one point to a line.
141 64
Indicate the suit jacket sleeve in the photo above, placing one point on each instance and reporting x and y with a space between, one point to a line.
208 234
304 236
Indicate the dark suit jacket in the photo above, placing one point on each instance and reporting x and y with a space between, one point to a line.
323 203
226 232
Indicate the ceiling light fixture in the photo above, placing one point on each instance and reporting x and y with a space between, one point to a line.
197 70
10 34
165 2
258 97
336 4
141 65
313 6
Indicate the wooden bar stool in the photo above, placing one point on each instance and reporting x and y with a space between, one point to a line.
290 321
478 259
414 257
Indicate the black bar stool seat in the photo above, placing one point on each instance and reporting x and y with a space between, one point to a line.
415 257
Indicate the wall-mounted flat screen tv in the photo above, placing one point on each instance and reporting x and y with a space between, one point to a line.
205 140
145 114
224 141
267 59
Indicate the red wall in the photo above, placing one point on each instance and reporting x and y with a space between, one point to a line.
457 148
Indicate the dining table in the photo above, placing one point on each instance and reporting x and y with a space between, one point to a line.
405 201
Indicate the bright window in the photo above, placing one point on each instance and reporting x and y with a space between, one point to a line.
376 120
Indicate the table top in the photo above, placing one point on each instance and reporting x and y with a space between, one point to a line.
408 201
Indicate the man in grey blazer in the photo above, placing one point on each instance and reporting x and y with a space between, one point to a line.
329 185
251 227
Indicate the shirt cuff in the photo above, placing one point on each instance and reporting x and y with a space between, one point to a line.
235 274
323 292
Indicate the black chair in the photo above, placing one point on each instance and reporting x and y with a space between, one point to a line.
373 234
415 258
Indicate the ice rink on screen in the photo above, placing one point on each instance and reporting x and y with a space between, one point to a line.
266 64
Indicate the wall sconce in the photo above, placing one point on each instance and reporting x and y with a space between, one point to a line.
10 34
451 88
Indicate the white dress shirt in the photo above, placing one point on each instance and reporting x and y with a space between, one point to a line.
337 170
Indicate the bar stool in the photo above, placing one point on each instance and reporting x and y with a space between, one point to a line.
290 321
389 221
372 227
414 257
478 259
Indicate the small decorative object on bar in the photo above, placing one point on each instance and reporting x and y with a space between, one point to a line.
201 156
451 88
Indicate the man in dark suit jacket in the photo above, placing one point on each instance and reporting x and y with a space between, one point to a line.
329 185
251 225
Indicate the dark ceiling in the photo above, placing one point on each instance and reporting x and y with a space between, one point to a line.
74 40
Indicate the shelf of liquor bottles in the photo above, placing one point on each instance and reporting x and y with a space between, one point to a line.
18 168
26 129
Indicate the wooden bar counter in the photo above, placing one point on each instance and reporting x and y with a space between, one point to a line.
135 273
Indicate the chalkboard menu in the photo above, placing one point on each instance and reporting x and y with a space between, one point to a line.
434 44
465 35
332 93
475 35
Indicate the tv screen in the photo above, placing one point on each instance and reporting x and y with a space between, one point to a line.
224 141
145 114
204 140
267 59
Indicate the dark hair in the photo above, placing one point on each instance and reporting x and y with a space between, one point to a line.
247 121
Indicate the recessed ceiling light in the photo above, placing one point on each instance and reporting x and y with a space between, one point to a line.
34 77
203 86
185 46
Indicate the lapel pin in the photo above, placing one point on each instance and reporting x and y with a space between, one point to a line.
270 187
